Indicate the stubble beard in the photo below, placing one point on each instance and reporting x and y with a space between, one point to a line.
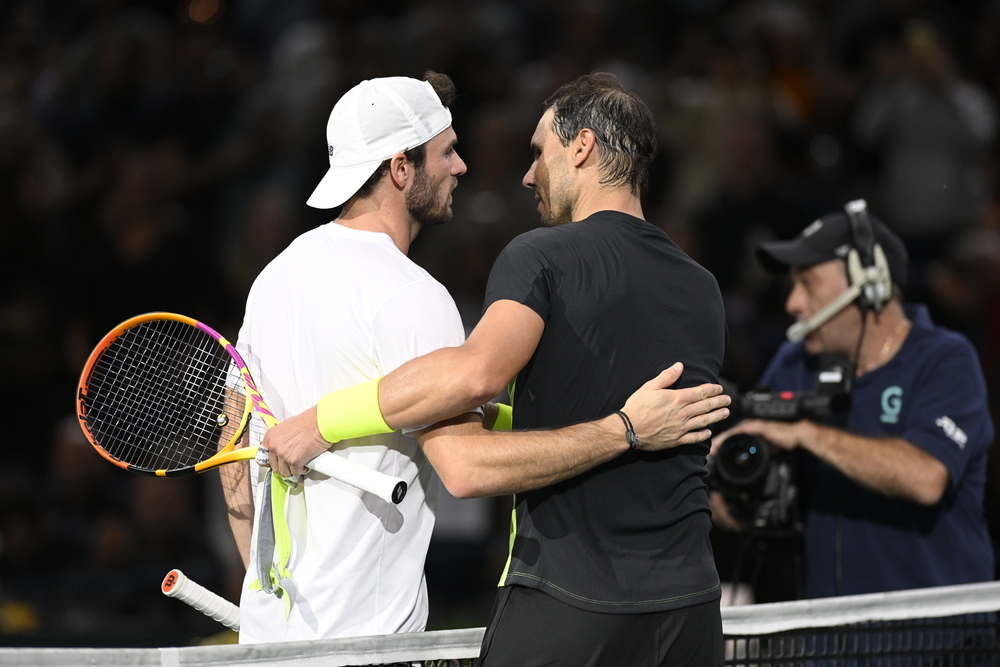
422 204
552 218
558 209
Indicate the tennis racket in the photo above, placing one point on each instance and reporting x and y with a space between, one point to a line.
177 585
161 392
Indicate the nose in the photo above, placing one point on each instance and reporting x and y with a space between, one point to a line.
458 166
529 177
795 303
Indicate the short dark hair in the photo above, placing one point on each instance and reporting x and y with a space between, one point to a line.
446 92
443 86
621 122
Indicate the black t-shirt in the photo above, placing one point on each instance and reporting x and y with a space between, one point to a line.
621 302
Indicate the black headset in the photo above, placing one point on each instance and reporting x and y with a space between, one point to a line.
867 265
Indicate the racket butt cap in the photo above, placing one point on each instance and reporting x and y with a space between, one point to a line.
398 493
171 581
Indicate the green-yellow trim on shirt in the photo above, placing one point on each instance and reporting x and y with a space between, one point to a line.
513 533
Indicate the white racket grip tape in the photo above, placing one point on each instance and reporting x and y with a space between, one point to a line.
390 489
177 585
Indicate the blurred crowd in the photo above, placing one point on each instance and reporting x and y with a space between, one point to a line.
156 154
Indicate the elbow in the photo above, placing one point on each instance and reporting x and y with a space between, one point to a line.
480 386
462 484
463 474
462 477
933 488
465 491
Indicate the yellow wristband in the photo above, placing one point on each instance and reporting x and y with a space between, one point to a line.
505 418
351 413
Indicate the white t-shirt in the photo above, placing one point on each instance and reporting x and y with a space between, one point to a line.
339 307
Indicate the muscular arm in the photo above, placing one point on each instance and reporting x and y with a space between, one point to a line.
891 466
453 380
474 462
431 388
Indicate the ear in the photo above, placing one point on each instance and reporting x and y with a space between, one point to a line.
400 171
583 147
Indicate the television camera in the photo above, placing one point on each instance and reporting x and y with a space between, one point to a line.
758 484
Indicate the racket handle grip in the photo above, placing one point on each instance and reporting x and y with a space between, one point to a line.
390 489
177 585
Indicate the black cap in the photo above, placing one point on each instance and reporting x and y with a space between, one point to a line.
829 238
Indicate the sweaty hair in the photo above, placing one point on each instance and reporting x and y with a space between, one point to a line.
621 122
446 92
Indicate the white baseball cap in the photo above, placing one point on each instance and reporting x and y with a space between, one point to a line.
373 121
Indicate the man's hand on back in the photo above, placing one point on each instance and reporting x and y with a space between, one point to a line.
664 418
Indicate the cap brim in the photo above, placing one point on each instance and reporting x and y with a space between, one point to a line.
340 184
779 256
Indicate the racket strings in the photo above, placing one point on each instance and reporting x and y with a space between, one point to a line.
174 444
160 397
140 392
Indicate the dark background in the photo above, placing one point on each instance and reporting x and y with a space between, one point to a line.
154 155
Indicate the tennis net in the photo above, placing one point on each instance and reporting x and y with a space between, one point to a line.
953 626
949 626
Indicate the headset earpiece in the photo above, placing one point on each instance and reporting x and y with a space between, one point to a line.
867 265
855 270
879 291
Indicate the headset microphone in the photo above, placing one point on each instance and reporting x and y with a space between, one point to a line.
798 331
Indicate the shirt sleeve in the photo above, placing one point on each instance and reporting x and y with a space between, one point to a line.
521 273
948 416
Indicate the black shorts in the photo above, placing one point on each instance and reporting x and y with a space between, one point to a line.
528 628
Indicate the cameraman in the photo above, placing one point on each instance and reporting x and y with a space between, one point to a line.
892 492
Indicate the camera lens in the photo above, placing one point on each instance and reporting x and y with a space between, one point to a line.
742 460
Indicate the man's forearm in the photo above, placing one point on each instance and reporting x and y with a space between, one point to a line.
891 466
239 505
425 390
454 380
473 462
436 386
238 493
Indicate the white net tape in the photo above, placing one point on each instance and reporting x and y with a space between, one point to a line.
900 605
453 645
377 650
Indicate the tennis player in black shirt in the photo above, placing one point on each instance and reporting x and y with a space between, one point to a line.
612 566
